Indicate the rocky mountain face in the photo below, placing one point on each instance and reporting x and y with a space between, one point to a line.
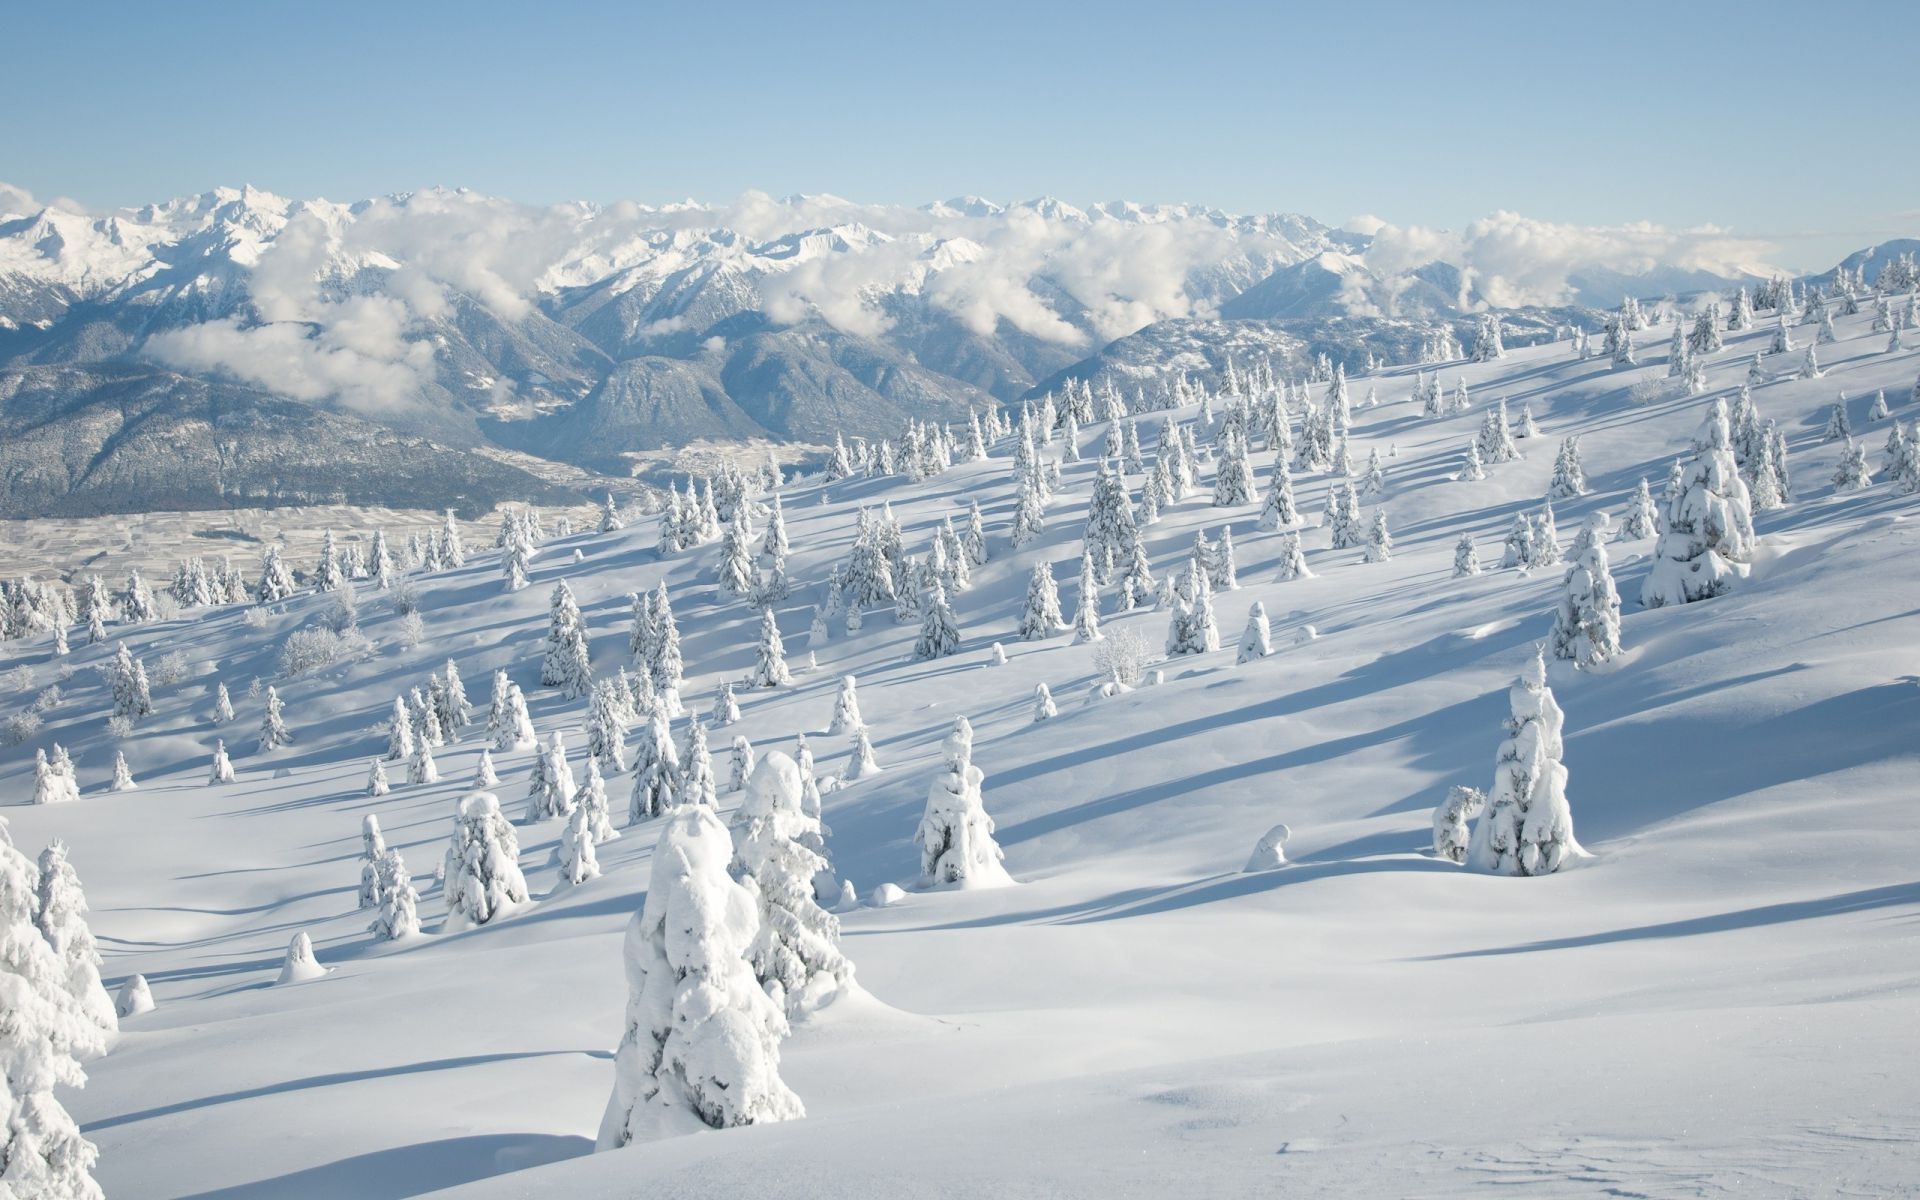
258 341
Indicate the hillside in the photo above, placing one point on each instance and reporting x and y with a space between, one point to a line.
1719 998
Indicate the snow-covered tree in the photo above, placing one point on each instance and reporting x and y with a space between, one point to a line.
1279 511
376 778
741 762
134 997
122 774
1569 477
421 769
483 876
1233 478
373 843
578 862
273 722
1293 560
565 663
551 787
128 678
956 834
1041 616
939 633
770 660
1706 537
1257 640
701 1047
1517 551
1838 429
1586 621
43 1036
400 731
1526 827
61 914
606 728
1379 540
1452 832
726 710
860 760
1466 559
1640 519
1043 707
1853 473
1191 628
396 914
1086 617
796 953
222 766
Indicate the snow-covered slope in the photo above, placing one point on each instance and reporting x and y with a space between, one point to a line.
1721 997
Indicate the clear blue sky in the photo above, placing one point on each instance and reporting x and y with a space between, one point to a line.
1792 123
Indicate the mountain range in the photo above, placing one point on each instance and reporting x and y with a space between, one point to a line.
241 347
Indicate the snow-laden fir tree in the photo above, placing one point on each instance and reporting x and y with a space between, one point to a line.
741 762
726 709
508 725
1569 477
656 769
1495 442
565 663
939 633
483 876
701 1047
1838 429
1517 550
222 765
373 843
276 581
591 799
400 731
61 914
1379 540
1279 511
1086 616
122 774
1586 621
376 778
131 698
860 760
1191 628
796 952
1293 560
1343 516
1043 707
1452 833
455 710
1639 520
1257 639
1526 827
421 769
1233 479
1706 537
578 863
1853 473
735 576
1040 618
396 915
770 659
551 788
273 722
1544 546
956 834
43 1037
606 729
697 784
846 707
1466 559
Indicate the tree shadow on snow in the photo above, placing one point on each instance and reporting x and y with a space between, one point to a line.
411 1170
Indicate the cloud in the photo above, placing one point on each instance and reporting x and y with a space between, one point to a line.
357 360
1515 260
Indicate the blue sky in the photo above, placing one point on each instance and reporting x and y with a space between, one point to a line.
1780 122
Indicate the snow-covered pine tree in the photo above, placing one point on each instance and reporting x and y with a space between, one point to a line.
1586 621
1496 441
1451 832
1293 560
1043 707
1343 515
551 787
1838 428
796 952
276 581
222 766
122 774
1466 559
860 760
1639 520
396 916
697 784
1569 476
61 914
565 663
1257 639
939 633
377 778
1706 537
42 1040
591 799
1279 511
1086 616
578 862
373 843
1233 478
273 722
483 877
606 729
1526 827
770 659
1517 551
701 1047
421 769
1852 474
956 834
656 769
1379 540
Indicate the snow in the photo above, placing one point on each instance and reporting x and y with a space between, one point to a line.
1720 998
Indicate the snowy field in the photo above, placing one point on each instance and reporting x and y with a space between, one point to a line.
1724 997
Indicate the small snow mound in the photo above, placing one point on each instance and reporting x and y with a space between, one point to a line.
849 899
134 998
301 965
1270 851
886 896
1306 633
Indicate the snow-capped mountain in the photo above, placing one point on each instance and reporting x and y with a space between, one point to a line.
590 334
